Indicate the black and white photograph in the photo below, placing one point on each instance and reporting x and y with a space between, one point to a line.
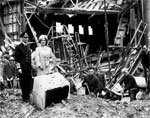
74 58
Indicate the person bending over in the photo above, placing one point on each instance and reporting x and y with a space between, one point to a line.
129 84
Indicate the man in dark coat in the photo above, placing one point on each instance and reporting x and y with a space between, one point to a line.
23 57
91 83
102 81
129 84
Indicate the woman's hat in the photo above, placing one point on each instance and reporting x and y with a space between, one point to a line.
43 37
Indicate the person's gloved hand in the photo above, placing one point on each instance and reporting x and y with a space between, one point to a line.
20 70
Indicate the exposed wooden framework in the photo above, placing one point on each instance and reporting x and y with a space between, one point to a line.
80 7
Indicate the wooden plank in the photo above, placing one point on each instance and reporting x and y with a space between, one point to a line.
75 11
136 62
79 57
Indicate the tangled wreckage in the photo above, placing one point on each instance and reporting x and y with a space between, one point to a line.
107 35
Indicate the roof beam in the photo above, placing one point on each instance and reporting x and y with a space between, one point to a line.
75 11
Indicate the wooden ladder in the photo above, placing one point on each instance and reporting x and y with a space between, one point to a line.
122 28
141 29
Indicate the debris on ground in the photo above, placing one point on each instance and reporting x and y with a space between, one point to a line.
11 106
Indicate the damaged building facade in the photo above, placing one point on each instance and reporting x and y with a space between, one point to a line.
81 32
86 17
102 36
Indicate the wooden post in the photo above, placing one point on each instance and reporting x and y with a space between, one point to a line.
32 30
146 17
22 18
106 34
79 57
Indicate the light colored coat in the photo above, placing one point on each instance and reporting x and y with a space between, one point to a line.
45 60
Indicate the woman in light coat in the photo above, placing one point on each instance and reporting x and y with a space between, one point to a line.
44 58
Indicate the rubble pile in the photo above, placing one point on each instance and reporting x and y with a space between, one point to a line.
11 106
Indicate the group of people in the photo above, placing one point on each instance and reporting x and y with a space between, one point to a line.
95 85
129 81
8 72
94 82
42 61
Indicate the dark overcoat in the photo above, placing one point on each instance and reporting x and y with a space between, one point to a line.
23 56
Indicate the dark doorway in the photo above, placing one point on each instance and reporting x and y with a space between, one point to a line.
42 22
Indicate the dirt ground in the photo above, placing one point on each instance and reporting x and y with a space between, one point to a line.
11 106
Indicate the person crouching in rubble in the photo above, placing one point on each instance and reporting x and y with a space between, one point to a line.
102 83
129 84
91 83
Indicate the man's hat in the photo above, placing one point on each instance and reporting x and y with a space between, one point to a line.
23 35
